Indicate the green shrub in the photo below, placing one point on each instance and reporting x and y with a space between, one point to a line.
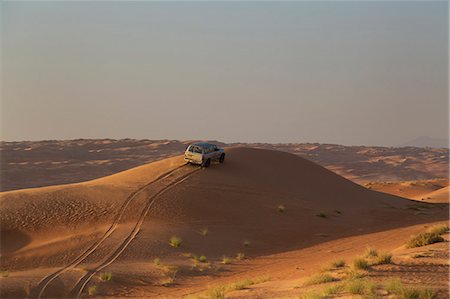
175 241
417 293
106 276
319 278
246 243
157 262
216 293
333 290
240 256
356 287
360 264
281 208
393 285
226 260
424 239
338 263
92 290
202 259
204 231
312 295
371 252
438 229
4 274
383 258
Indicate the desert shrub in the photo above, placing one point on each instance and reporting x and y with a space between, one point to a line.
106 276
322 214
281 208
204 231
167 281
360 264
246 243
312 295
333 290
216 293
338 263
371 252
175 241
338 212
202 259
438 229
319 278
424 239
240 256
417 293
226 260
356 287
383 258
4 274
92 290
157 262
355 274
393 285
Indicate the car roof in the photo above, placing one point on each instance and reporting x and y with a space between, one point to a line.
203 144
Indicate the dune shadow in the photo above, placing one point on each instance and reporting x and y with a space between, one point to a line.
12 240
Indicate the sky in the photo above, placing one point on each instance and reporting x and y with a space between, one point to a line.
355 73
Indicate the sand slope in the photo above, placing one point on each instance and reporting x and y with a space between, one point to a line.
72 226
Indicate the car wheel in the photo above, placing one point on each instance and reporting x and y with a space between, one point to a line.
207 163
222 158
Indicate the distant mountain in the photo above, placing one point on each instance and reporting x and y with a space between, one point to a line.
427 141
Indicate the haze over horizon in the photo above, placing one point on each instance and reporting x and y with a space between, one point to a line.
354 73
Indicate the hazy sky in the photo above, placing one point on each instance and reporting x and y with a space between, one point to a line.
373 73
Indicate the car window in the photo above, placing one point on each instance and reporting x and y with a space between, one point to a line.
197 149
190 148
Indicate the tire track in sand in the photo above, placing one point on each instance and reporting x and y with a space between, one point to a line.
81 284
45 282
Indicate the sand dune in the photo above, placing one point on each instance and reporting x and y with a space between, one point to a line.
71 233
435 190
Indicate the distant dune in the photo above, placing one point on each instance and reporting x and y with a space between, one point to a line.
426 141
258 202
45 163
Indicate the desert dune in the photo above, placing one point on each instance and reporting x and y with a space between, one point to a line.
57 240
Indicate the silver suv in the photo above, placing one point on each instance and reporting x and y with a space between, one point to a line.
203 153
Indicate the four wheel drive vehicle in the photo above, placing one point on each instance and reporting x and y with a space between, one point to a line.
203 153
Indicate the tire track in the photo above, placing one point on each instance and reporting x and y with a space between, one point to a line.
81 284
44 283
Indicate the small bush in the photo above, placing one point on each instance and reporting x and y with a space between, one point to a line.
333 290
356 287
226 260
322 214
360 264
202 259
204 231
338 212
319 278
157 262
312 295
246 243
393 286
216 293
424 239
438 229
240 256
175 241
371 252
106 276
338 264
4 274
281 208
417 293
92 290
355 274
383 258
